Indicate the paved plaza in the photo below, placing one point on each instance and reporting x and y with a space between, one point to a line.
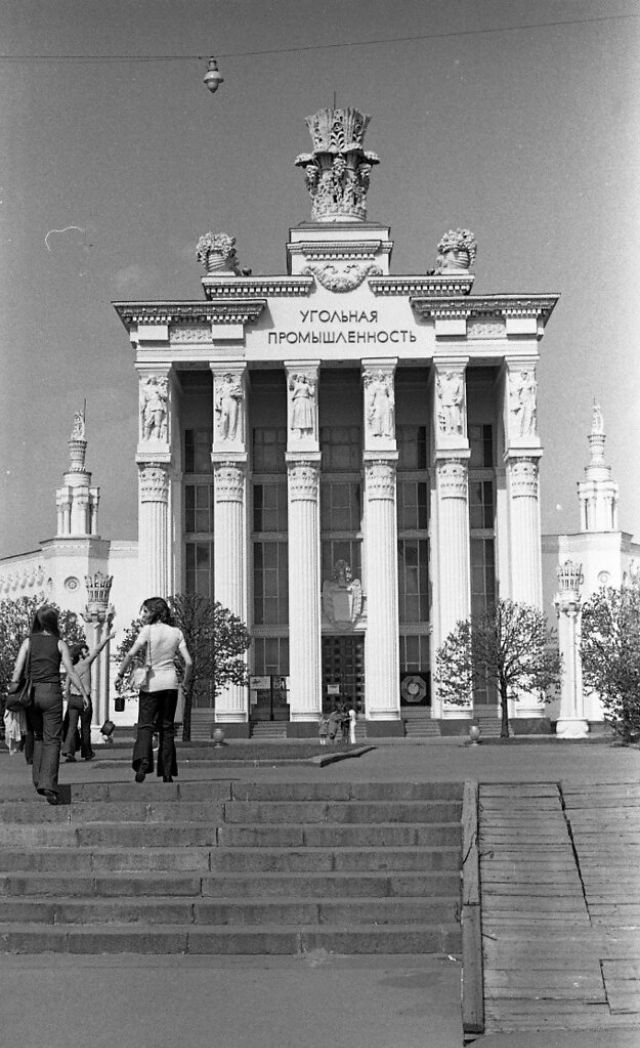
317 1000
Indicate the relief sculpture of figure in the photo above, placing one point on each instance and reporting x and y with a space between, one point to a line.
380 407
450 397
153 400
524 390
229 397
302 405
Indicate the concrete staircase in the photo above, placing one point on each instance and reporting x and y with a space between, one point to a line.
418 723
232 868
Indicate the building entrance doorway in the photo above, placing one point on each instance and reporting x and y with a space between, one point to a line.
343 672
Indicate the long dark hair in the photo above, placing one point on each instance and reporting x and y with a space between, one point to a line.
46 620
158 609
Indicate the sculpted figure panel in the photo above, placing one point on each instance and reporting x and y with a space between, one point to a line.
229 403
450 391
154 393
303 405
524 392
380 404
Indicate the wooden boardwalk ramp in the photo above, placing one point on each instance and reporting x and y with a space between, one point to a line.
560 890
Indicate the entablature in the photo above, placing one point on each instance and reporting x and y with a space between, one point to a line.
156 313
227 287
484 306
430 285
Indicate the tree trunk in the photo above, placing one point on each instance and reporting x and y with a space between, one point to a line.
186 717
504 707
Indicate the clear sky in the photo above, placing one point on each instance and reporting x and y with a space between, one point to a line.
517 120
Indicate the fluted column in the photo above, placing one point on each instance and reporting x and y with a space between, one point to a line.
382 658
153 528
305 608
230 569
305 669
571 723
229 456
522 455
382 648
450 554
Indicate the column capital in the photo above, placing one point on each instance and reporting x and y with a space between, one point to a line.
304 479
523 476
452 475
229 481
153 481
380 477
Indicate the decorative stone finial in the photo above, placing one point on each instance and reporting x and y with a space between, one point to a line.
597 420
217 253
570 577
338 170
457 251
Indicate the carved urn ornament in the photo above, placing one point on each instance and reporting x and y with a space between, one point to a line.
217 253
457 251
337 172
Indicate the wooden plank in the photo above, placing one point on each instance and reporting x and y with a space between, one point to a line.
472 970
470 861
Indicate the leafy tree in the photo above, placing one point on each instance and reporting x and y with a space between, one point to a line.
217 641
509 645
610 650
16 617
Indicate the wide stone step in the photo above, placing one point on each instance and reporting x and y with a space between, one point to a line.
170 910
345 791
343 812
326 835
101 811
225 860
441 938
107 834
150 790
103 860
235 886
302 860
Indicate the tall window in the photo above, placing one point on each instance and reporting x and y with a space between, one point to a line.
413 549
269 536
198 512
341 498
482 531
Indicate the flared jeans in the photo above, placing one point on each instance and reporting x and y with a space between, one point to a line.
45 721
156 712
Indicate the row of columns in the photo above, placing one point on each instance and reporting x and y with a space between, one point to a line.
519 526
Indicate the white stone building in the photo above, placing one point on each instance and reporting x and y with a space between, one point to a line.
346 458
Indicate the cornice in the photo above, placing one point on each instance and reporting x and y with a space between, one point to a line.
346 249
135 313
253 287
485 305
428 285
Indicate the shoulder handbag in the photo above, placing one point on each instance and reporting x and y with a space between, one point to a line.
140 675
19 691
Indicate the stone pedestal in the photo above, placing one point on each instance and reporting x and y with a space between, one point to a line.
305 663
229 569
382 662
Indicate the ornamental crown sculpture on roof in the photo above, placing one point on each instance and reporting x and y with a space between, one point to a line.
337 172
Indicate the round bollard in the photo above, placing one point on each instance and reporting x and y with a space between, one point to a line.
218 737
474 734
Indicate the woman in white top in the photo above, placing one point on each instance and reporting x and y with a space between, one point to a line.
159 694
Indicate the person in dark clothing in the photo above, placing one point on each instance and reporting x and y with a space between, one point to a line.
40 657
77 709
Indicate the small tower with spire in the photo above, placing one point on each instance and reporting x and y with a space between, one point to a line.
598 493
76 501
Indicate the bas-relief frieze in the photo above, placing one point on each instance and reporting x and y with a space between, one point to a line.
154 394
380 405
342 596
523 393
229 407
489 328
450 398
187 335
303 407
345 277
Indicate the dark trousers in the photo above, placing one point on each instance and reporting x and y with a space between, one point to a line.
45 721
156 712
72 718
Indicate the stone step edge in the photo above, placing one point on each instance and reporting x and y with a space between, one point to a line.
255 939
266 826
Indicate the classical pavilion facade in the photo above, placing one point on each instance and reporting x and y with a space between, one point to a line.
345 457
